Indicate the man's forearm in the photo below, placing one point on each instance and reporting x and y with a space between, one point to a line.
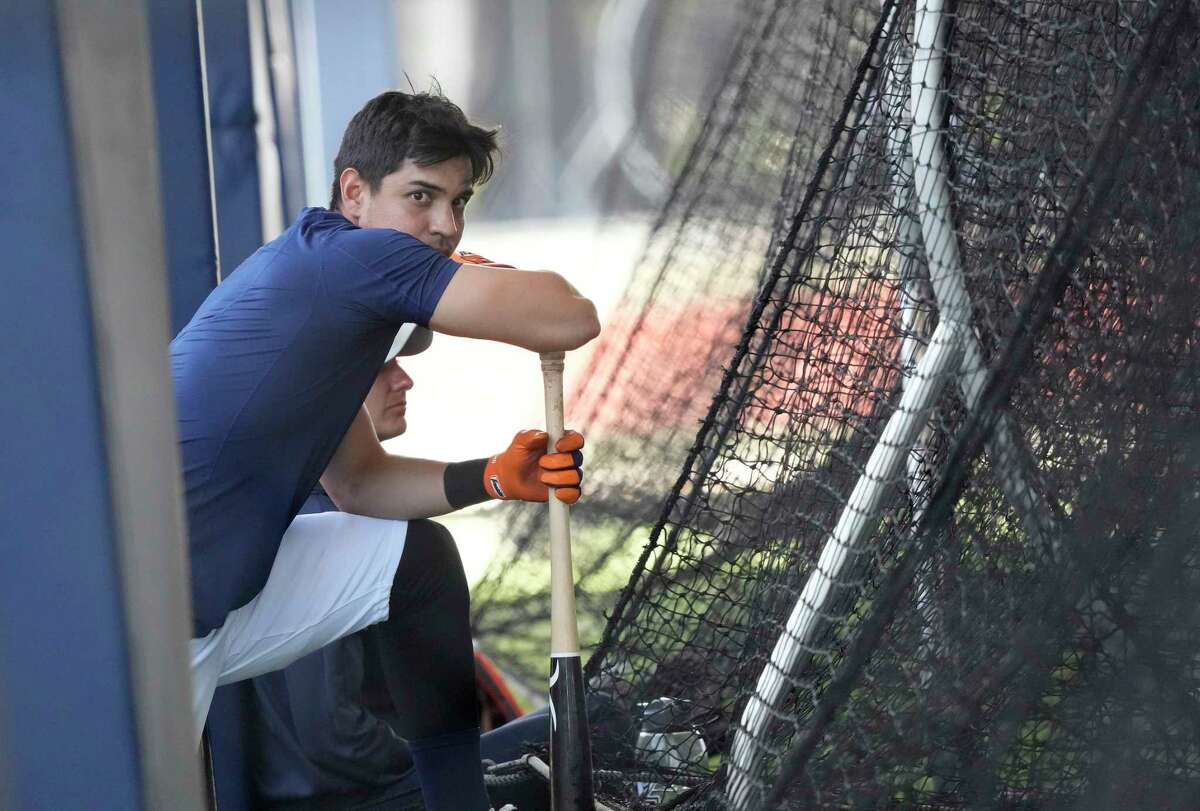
397 487
364 479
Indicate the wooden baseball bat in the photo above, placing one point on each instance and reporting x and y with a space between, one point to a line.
570 742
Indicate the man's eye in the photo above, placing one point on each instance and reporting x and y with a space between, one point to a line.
419 196
461 202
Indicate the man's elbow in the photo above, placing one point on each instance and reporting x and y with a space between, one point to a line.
571 331
586 327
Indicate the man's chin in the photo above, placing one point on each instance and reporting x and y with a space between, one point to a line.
393 430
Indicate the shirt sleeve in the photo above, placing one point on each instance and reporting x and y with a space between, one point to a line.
393 274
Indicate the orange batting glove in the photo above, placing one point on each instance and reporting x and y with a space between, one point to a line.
526 472
476 259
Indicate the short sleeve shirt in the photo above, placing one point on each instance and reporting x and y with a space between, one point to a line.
269 374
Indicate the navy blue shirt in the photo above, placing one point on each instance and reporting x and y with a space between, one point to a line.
315 736
269 374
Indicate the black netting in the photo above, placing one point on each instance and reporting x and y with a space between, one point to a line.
662 355
934 544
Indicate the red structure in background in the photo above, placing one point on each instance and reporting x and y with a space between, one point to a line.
833 355
497 704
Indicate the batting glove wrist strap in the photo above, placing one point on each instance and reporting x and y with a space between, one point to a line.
463 483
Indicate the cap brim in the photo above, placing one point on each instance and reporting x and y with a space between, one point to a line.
410 340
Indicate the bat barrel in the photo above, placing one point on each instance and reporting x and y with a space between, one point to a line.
571 786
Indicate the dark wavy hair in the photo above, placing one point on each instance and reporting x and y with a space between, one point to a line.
426 128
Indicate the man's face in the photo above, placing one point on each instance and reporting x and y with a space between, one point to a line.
388 399
424 201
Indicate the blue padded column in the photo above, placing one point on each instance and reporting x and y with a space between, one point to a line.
183 156
232 117
68 717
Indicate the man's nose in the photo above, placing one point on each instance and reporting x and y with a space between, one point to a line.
401 380
444 221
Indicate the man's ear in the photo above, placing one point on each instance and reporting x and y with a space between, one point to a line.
353 189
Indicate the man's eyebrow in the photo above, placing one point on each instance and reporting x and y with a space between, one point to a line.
425 184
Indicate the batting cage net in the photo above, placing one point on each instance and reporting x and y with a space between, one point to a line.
933 544
661 356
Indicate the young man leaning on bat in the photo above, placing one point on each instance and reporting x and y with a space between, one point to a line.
270 376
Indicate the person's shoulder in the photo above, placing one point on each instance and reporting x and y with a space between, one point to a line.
346 234
315 219
370 246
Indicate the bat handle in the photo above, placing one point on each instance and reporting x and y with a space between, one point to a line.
564 632
552 378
